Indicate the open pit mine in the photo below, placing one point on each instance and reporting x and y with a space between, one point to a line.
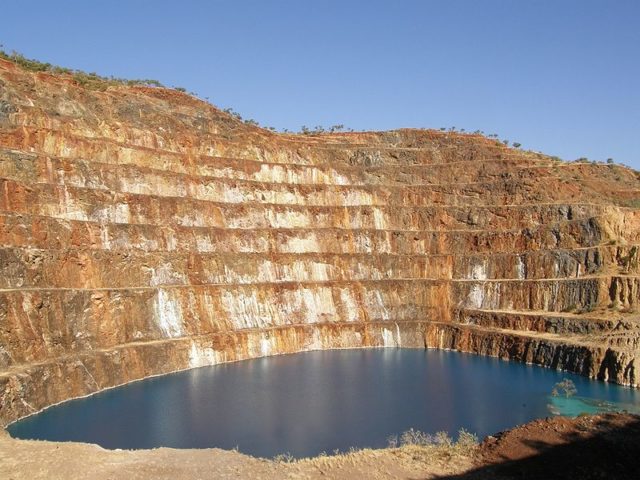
144 231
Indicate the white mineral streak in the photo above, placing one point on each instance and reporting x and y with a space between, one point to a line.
391 338
27 305
287 219
477 294
121 213
379 306
244 310
168 314
387 338
316 341
475 298
166 275
356 197
137 187
350 308
318 305
118 213
379 220
203 244
203 356
192 219
385 245
104 237
232 195
266 346
319 272
364 244
171 241
301 244
479 271
68 208
520 269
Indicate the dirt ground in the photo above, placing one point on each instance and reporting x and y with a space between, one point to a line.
590 447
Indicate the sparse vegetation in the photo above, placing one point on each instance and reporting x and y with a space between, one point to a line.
89 80
233 113
414 444
284 458
565 388
413 437
319 129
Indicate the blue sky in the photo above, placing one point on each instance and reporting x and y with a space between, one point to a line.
560 76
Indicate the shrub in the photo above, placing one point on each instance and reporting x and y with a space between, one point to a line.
566 388
415 437
284 458
466 439
421 439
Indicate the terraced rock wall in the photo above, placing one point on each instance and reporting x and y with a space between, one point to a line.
143 231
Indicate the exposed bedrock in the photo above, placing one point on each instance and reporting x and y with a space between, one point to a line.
143 231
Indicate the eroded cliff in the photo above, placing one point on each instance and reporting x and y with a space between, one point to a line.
143 231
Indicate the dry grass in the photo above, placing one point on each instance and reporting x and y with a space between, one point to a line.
413 451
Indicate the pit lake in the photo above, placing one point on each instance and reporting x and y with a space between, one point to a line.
314 402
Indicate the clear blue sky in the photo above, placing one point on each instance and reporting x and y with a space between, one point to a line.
560 76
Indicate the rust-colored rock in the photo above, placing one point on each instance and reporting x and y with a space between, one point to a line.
143 231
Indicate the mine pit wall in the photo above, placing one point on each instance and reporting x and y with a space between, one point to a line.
143 232
41 385
596 362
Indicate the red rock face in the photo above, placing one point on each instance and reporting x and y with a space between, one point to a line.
143 231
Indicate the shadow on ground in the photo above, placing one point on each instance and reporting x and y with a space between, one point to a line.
590 447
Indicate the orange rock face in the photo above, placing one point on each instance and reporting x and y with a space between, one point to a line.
143 231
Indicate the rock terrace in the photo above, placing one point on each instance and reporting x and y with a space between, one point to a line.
143 231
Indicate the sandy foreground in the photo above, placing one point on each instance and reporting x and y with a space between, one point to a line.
599 446
31 460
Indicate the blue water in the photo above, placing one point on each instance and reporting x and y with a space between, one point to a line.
312 402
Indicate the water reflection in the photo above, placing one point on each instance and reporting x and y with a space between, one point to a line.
319 401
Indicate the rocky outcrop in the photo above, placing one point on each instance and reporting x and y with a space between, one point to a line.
143 231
